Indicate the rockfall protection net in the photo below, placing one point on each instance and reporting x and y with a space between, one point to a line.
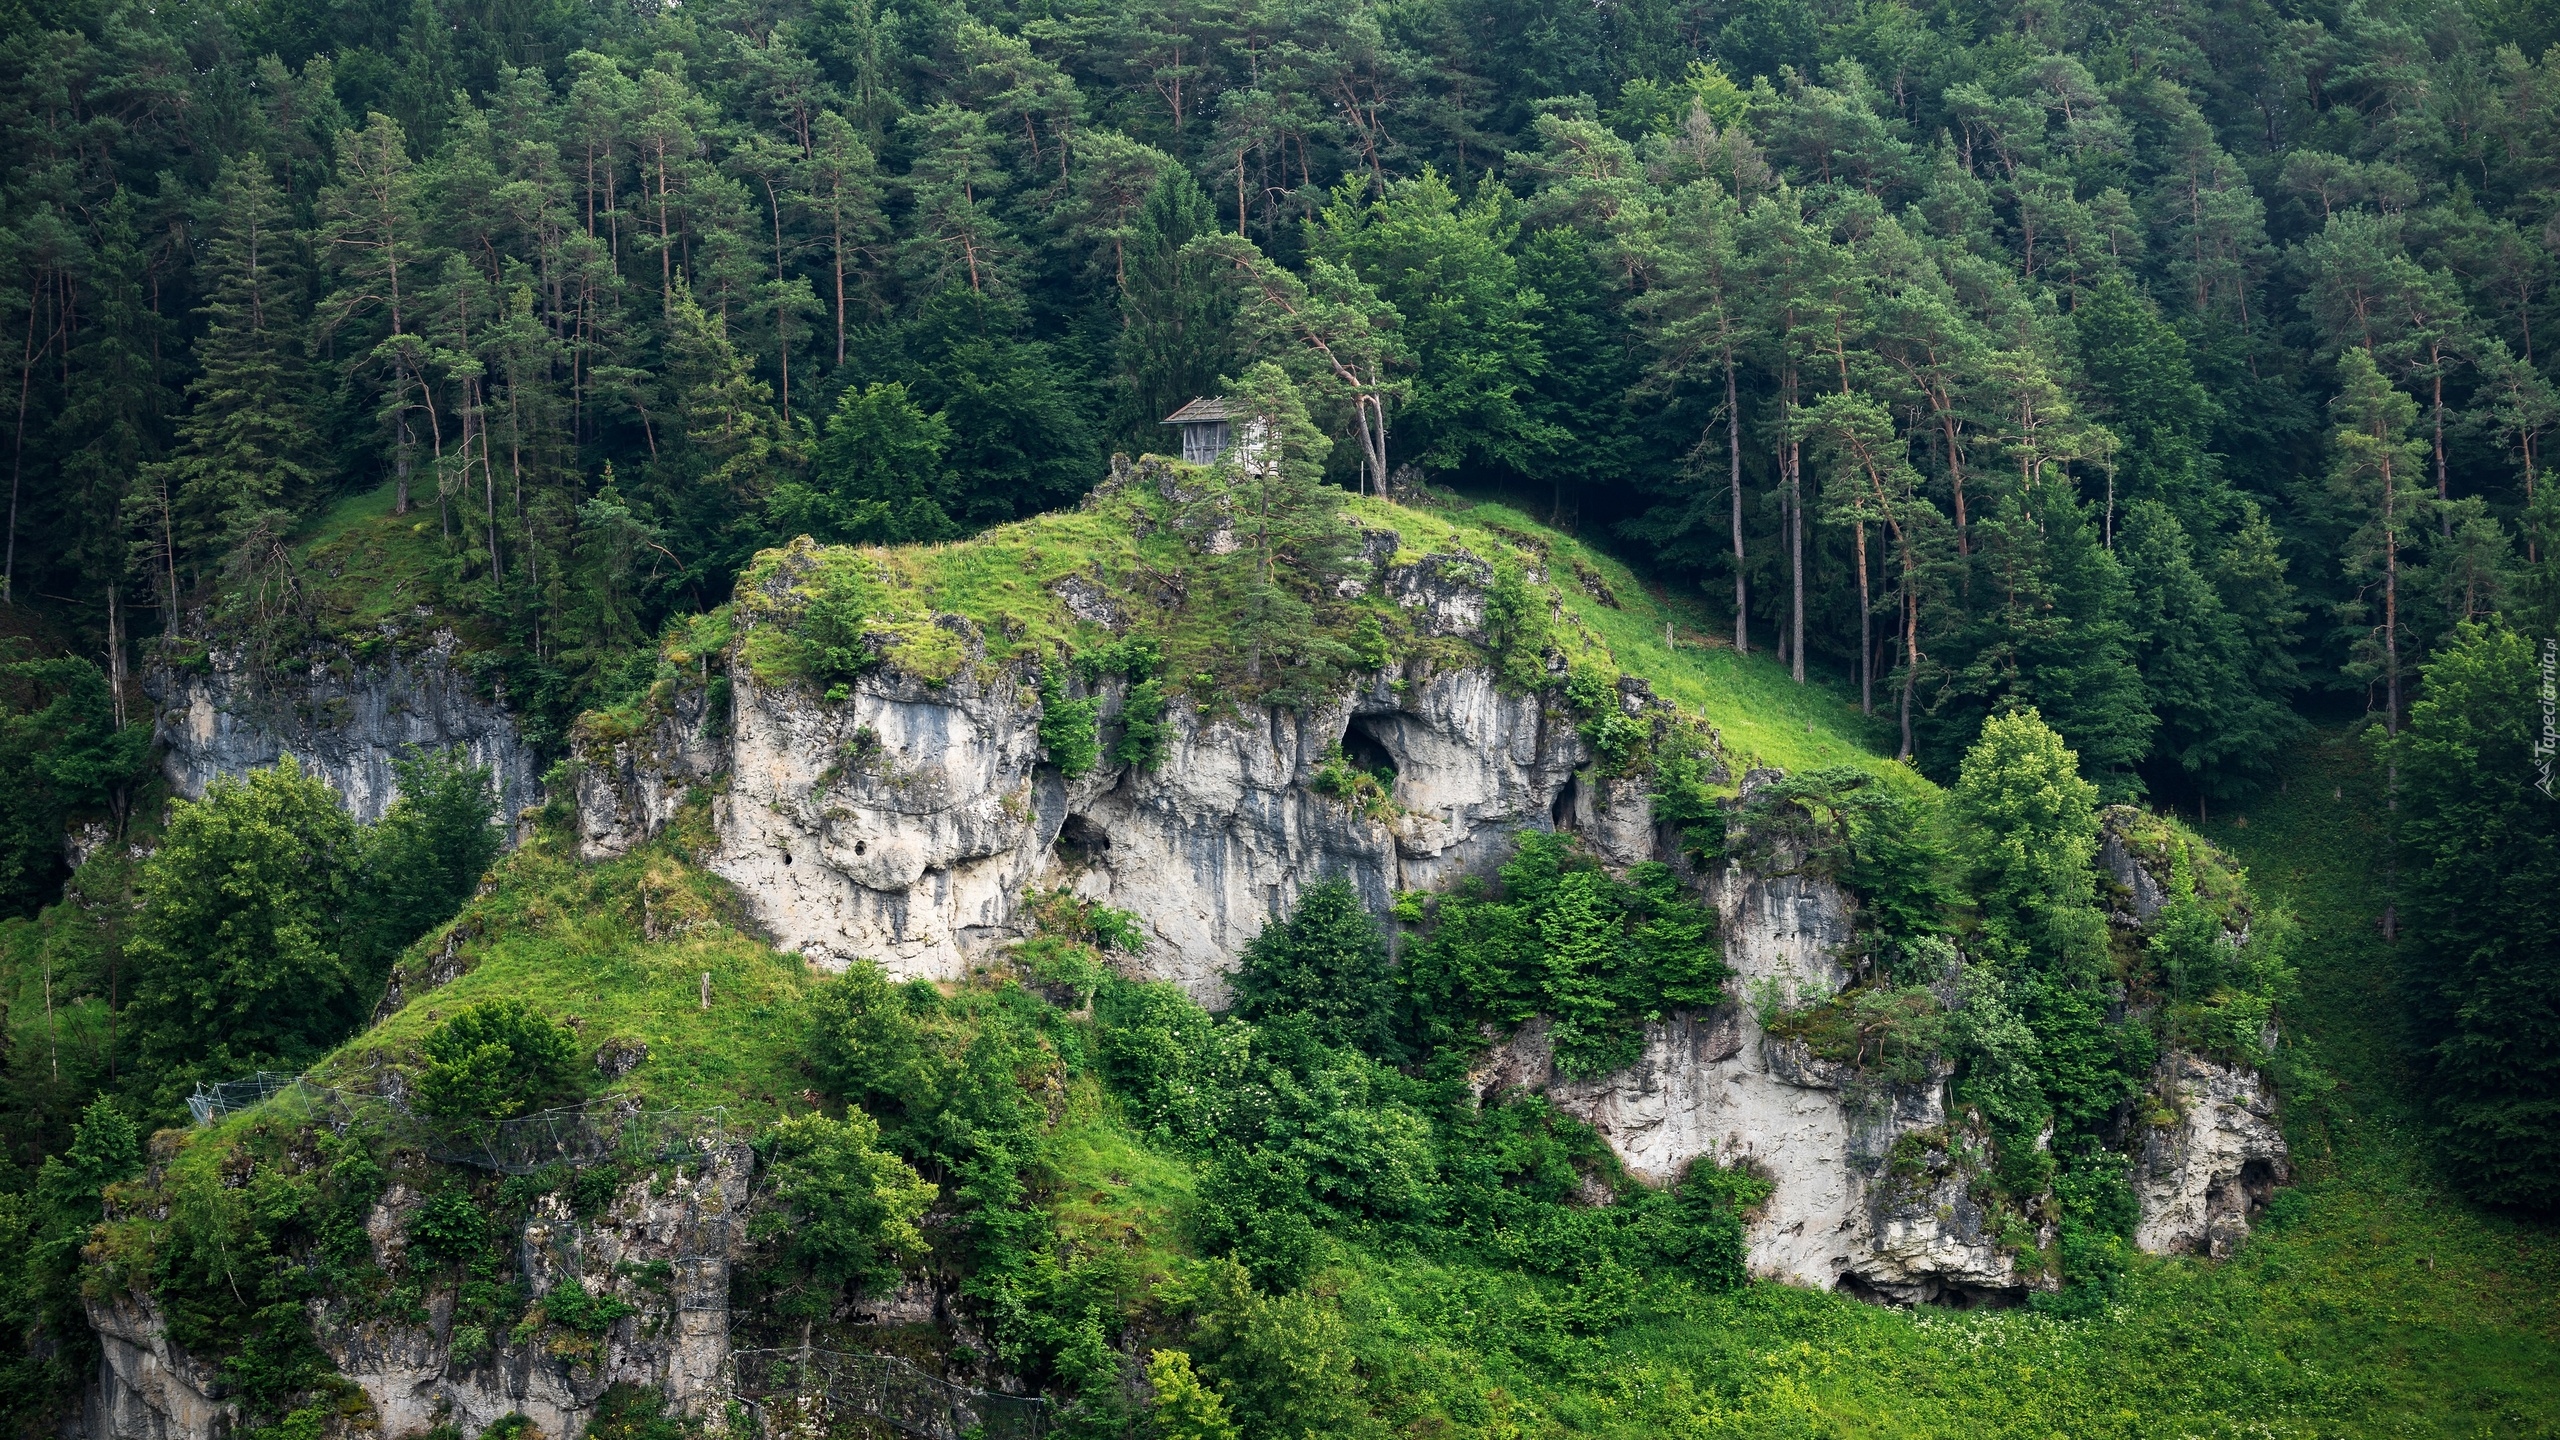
573 1135
804 1392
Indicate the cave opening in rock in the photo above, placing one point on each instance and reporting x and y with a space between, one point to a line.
1561 813
2257 1187
1081 842
1362 746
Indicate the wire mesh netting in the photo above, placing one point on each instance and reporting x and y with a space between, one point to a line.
572 1135
808 1390
212 1102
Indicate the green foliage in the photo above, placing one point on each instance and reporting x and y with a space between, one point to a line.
2038 1040
1144 730
570 1306
2031 830
1371 792
60 754
428 852
1562 938
1893 1036
845 1211
494 1061
879 477
1182 1407
240 953
258 1224
628 1411
1522 627
1068 728
1325 965
2481 837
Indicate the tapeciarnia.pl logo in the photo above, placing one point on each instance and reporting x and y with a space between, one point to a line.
2549 741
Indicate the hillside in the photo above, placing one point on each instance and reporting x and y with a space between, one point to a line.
1537 1280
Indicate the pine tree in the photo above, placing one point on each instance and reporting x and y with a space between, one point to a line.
247 455
1177 315
956 235
1286 523
843 190
383 263
2374 470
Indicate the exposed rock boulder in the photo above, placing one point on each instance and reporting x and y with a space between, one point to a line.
2207 1156
1871 1195
663 1246
345 718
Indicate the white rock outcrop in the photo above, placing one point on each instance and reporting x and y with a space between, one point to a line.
345 719
663 1246
2210 1164
1870 1187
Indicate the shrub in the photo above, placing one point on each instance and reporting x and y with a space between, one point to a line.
1068 728
495 1061
1326 965
845 1212
1565 939
1183 1408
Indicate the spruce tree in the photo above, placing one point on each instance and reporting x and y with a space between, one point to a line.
247 454
1176 313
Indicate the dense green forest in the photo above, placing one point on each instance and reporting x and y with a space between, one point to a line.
2171 369
2086 403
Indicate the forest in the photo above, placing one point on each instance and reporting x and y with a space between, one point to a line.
2094 404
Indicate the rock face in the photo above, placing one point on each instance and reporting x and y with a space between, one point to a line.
1870 1188
2210 1162
663 1246
345 721
903 823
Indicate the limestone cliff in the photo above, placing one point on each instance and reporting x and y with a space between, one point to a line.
903 819
662 1246
345 717
903 822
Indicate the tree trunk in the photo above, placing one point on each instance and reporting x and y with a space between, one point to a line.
1733 458
1910 646
1795 554
1866 630
115 647
18 458
2443 489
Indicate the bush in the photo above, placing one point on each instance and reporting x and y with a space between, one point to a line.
1564 939
495 1061
1183 1408
845 1212
1326 966
1068 729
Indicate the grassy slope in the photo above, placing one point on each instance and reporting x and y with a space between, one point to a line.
571 940
1765 717
2375 1304
1002 580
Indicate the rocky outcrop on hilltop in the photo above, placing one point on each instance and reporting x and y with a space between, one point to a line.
904 819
